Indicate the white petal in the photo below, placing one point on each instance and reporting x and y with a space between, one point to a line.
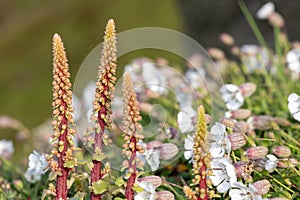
189 111
265 11
189 142
217 177
231 87
77 107
216 150
293 97
152 158
237 194
297 116
217 129
188 155
294 66
89 95
293 56
233 105
249 49
239 97
293 107
271 157
223 187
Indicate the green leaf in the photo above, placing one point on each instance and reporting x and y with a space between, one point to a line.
70 164
100 187
137 188
78 196
61 148
99 156
53 175
118 198
119 182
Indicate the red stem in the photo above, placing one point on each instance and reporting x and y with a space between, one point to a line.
202 183
61 181
96 171
129 193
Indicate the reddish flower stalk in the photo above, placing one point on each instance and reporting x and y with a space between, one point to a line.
201 161
131 133
103 98
63 145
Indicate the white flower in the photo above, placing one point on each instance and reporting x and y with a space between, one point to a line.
242 192
220 143
186 119
148 192
271 163
152 158
294 105
184 96
223 174
36 167
6 148
88 95
255 57
153 78
188 146
134 70
265 11
195 77
77 107
293 60
232 96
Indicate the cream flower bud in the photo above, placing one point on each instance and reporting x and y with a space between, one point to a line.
262 122
228 122
237 140
276 19
256 152
241 127
281 151
154 144
216 53
154 180
163 195
167 151
287 163
240 113
262 186
226 39
248 89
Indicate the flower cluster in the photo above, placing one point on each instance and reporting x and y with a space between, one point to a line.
247 150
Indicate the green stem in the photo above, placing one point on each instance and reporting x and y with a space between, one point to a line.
281 184
253 24
284 134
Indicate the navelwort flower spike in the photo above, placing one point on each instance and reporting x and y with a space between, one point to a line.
62 141
103 97
201 161
132 129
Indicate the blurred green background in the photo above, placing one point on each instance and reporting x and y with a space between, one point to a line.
27 27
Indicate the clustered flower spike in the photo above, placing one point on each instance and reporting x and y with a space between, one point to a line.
62 142
103 97
201 160
132 129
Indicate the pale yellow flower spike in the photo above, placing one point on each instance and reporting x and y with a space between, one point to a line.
106 75
132 129
201 157
103 97
62 117
131 110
